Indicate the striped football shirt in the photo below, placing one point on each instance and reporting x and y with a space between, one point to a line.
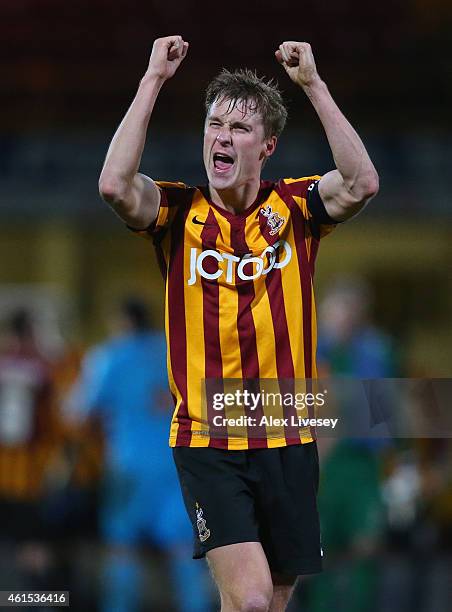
239 304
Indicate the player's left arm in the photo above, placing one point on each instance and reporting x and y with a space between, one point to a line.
346 190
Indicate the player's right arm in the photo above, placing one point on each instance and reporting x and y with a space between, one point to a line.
132 195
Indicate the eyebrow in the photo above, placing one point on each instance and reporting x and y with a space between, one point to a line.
234 124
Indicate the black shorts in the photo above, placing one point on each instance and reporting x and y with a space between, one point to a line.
262 495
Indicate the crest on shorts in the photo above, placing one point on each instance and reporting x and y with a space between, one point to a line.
203 532
274 219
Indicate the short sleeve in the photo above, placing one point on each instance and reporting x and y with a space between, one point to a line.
173 195
321 223
305 192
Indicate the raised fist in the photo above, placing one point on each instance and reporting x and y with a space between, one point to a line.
167 54
298 61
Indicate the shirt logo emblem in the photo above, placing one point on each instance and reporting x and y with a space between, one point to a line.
274 219
203 532
196 221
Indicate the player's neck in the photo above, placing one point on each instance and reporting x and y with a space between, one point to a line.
238 199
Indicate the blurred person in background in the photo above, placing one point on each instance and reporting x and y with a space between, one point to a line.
350 344
124 383
377 497
417 492
30 439
350 499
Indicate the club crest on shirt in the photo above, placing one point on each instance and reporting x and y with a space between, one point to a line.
203 532
274 219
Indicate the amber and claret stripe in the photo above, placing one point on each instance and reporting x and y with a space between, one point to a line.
230 318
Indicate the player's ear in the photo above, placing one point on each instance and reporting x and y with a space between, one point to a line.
270 146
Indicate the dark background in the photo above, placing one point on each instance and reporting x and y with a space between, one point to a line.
69 71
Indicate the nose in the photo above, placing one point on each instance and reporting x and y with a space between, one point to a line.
224 135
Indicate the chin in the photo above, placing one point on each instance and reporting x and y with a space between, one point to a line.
222 182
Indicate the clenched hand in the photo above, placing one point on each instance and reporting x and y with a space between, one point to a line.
298 61
166 57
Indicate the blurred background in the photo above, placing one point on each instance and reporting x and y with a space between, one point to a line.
68 72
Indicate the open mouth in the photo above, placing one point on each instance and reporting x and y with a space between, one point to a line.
222 162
